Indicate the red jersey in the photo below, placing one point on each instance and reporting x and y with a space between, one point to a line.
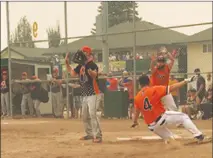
130 87
113 84
160 77
148 101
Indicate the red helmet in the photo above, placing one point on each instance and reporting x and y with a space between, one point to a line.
87 49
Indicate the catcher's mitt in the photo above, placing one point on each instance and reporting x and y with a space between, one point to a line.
79 57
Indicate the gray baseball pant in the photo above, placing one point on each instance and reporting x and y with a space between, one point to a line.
91 122
26 100
56 103
5 103
36 104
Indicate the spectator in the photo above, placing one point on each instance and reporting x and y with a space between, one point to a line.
131 56
5 107
76 104
63 91
114 57
26 96
137 56
206 105
35 92
208 81
141 57
208 97
127 56
201 87
127 83
124 57
175 94
56 93
110 57
112 83
191 108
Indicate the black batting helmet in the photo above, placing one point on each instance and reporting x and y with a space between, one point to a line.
144 80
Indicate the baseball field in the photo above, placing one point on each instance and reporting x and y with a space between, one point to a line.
51 138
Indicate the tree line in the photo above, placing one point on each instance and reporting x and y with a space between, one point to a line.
118 12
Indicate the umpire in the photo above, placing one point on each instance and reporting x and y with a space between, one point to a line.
87 71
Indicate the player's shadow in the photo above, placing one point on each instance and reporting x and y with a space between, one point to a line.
194 143
160 143
180 144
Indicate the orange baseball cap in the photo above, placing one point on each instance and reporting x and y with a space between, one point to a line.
86 49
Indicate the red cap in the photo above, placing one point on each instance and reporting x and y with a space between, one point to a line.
86 49
4 72
55 69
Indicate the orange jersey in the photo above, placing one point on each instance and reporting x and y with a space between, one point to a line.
161 77
148 101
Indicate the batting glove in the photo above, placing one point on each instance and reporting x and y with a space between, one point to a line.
191 79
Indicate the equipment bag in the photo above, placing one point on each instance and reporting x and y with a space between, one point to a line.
43 97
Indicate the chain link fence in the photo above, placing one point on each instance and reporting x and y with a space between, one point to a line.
127 46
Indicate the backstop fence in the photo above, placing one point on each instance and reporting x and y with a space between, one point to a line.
125 43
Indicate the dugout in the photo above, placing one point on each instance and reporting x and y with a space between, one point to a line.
32 67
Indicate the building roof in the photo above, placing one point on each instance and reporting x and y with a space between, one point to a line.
205 35
34 52
155 37
4 62
147 38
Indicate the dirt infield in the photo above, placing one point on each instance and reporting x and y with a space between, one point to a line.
49 138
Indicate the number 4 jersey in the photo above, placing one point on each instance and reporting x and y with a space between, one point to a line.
148 101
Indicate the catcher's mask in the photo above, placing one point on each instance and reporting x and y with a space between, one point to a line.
161 62
79 57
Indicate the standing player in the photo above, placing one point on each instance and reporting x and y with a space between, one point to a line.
160 76
127 83
148 103
87 71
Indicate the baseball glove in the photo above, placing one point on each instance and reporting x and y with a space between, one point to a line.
79 57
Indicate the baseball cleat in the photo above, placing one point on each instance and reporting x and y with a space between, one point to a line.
201 139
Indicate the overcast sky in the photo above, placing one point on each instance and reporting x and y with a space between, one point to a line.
81 16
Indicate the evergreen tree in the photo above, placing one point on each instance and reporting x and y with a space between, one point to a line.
23 33
119 12
54 36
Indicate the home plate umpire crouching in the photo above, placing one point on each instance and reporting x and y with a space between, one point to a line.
87 71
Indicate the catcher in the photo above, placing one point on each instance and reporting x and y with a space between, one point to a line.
160 75
87 71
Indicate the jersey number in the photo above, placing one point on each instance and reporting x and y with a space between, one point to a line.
146 104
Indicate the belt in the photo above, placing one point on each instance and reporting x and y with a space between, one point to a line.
156 121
